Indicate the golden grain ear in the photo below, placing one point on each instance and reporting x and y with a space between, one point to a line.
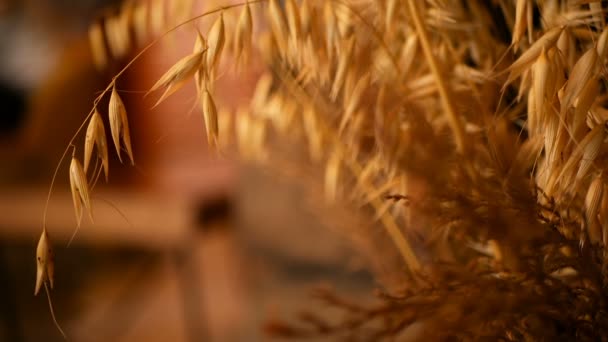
178 75
243 34
520 22
141 22
581 73
332 175
592 206
277 24
98 45
210 116
80 189
215 41
96 136
523 63
344 63
293 19
119 125
45 267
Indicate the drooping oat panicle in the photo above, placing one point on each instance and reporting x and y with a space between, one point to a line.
98 45
215 41
45 263
80 190
119 125
210 117
96 136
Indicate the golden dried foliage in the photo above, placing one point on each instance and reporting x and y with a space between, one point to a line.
477 127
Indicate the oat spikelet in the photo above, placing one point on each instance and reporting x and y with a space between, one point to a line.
119 125
332 174
581 73
277 24
98 45
547 41
539 84
140 22
215 41
210 116
243 34
157 16
293 19
177 75
80 189
592 205
343 65
590 152
45 264
520 22
96 136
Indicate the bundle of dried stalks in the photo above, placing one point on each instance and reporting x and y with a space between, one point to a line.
477 127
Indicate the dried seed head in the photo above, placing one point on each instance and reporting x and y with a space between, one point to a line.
590 151
210 116
45 265
581 73
140 22
547 41
119 125
243 33
200 46
98 45
96 135
539 81
157 16
80 189
215 40
332 174
293 19
177 75
277 24
343 66
592 205
520 22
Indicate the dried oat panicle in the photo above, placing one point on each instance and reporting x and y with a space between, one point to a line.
460 144
45 263
119 125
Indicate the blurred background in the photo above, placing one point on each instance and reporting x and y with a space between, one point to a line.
186 245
